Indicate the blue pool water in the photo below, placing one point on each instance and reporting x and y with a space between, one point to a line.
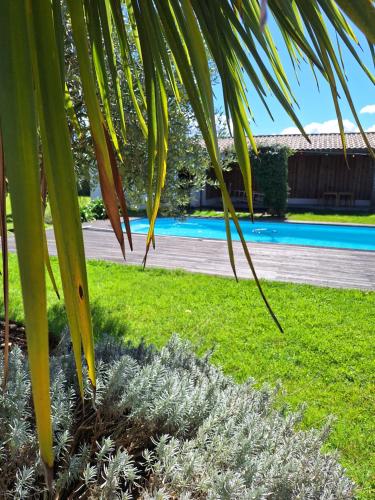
317 235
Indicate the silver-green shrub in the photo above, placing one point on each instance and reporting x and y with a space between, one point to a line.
163 425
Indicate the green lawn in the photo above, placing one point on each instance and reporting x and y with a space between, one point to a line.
83 200
327 217
325 358
318 216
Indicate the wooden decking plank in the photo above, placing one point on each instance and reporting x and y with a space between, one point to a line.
328 267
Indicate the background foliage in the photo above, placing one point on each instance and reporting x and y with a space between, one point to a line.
93 210
270 174
187 161
270 171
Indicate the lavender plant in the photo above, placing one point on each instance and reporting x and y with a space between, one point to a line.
162 424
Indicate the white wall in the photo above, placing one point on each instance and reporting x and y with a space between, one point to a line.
95 192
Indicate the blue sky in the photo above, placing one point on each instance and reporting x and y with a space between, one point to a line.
316 111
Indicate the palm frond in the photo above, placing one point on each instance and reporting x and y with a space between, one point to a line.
4 252
20 145
173 42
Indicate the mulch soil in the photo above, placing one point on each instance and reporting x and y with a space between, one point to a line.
17 336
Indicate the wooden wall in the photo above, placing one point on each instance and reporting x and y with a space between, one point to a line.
310 175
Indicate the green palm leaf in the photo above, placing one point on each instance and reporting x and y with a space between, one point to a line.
4 251
58 164
18 123
150 46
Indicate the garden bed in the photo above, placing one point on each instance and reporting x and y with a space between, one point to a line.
17 336
161 425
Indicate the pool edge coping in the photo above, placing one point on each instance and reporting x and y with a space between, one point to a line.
286 221
110 230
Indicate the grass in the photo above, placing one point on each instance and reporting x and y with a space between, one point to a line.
83 200
325 358
317 216
331 217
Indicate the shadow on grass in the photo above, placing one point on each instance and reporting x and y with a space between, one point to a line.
103 324
57 320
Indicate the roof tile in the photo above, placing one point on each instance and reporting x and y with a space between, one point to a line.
319 142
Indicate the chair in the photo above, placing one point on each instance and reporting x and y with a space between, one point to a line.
345 199
330 199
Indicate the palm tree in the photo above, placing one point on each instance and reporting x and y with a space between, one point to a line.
174 40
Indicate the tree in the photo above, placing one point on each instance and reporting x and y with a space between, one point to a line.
175 34
187 160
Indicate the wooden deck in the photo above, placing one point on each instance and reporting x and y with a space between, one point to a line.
326 267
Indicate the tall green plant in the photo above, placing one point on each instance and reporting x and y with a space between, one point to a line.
173 37
270 168
270 173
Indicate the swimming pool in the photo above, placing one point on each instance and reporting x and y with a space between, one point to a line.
317 235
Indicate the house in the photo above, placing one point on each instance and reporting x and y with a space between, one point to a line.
318 175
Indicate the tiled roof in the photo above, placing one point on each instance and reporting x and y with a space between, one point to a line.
319 142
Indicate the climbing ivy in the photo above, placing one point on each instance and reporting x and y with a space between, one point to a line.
270 174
